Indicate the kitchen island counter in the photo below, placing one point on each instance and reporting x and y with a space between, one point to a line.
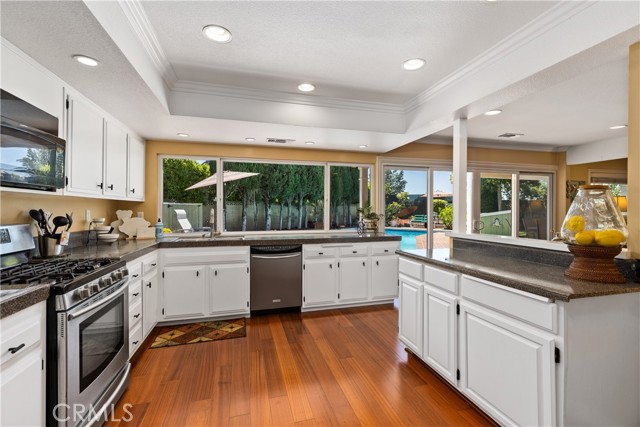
534 277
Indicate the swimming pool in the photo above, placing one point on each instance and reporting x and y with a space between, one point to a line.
408 236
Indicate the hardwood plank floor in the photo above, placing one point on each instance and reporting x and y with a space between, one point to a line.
336 367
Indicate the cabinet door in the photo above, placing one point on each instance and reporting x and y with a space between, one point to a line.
229 288
320 282
84 147
384 277
354 279
410 322
183 290
115 182
22 390
507 368
149 303
440 336
135 169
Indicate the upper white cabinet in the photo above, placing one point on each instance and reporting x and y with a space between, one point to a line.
135 168
115 160
84 147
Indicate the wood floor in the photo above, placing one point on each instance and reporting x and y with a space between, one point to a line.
337 367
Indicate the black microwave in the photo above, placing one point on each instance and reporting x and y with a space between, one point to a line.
31 153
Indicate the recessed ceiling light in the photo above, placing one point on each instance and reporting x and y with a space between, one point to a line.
309 142
85 60
413 64
250 139
306 87
618 127
217 33
183 135
493 112
362 146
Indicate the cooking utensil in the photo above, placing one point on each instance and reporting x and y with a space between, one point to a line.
70 219
43 222
59 221
38 219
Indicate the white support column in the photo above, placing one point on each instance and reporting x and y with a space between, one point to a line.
459 175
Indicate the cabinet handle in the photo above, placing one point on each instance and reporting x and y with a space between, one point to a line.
355 252
14 350
363 264
149 285
153 264
135 275
136 342
136 315
136 294
377 263
330 265
197 274
110 187
215 272
133 191
320 253
386 250
100 186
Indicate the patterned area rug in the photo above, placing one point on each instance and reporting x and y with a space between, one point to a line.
200 332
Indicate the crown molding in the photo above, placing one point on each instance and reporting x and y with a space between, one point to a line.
186 86
143 29
517 40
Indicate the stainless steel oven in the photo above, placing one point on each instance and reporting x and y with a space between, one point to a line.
93 354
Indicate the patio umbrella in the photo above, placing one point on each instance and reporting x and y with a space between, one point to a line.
226 176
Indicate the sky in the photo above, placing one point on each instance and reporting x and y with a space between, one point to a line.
417 181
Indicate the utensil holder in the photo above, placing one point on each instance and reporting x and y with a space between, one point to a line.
49 246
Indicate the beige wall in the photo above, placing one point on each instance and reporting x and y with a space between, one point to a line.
633 135
15 206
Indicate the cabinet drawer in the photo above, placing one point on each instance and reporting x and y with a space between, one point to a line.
205 256
441 279
410 268
19 340
135 314
534 309
135 270
135 291
149 263
135 339
355 250
384 248
317 251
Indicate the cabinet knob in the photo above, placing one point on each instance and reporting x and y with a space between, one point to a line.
149 285
133 191
363 264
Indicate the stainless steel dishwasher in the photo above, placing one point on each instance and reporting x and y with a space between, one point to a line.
276 277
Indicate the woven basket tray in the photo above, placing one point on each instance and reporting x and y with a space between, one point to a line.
594 264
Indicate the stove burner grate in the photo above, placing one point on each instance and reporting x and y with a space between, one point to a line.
51 271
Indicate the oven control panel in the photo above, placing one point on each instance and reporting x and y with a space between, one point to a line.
90 289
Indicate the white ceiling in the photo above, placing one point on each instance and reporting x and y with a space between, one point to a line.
557 69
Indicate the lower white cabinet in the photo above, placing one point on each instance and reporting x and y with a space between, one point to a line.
22 375
204 282
410 321
229 288
183 291
320 282
508 368
354 279
149 302
440 332
384 277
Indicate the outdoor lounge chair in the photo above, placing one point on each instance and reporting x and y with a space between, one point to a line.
419 221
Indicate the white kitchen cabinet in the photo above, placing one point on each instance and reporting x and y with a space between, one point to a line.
384 277
115 160
507 367
229 288
440 332
410 320
149 302
22 375
135 168
353 279
183 291
320 282
84 151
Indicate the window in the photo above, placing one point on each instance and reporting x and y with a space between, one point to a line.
497 214
350 189
273 196
188 193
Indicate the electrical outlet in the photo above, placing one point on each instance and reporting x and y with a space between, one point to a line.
87 215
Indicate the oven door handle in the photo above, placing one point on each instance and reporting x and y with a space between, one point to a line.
98 304
118 391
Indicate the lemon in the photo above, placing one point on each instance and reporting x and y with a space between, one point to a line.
575 223
585 237
609 238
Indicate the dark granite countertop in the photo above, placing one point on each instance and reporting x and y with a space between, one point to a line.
539 279
21 299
